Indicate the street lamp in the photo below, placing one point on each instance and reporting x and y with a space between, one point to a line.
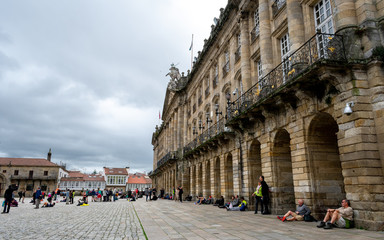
217 110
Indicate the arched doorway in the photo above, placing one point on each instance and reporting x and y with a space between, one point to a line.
254 170
217 178
326 172
228 167
283 197
207 184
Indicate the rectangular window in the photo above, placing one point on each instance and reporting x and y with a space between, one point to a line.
4 171
45 173
30 174
16 173
44 188
29 187
259 70
323 17
285 51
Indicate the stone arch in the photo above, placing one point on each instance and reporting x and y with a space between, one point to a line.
254 169
207 183
228 170
200 180
283 197
217 177
325 166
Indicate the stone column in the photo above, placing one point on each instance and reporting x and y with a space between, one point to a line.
185 126
236 171
180 128
245 52
266 54
345 14
295 24
376 86
204 168
193 180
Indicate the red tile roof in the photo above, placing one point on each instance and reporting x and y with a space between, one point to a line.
139 178
74 174
37 162
85 177
115 171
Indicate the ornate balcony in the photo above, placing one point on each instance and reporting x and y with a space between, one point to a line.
211 133
277 5
321 48
255 33
169 156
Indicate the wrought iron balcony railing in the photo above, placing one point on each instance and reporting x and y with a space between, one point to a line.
169 156
319 48
255 33
211 132
277 5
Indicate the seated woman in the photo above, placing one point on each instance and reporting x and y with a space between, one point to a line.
209 200
241 207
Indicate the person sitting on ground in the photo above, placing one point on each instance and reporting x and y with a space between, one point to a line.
188 198
301 211
241 207
219 202
14 203
200 200
209 200
47 204
234 201
338 217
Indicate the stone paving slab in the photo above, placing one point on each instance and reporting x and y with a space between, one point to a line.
162 219
99 220
191 221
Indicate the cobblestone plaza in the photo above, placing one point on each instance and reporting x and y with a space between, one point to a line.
161 219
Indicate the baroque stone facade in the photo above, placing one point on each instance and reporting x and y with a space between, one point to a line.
289 89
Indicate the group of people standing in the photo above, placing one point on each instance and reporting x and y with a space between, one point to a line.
262 196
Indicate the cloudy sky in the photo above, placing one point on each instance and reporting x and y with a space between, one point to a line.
87 77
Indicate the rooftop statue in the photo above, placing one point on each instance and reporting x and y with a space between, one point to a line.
175 77
174 73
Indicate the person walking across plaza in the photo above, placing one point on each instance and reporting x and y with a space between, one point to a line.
8 199
146 192
38 196
181 194
67 196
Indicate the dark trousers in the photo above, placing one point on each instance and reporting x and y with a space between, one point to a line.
259 200
181 197
266 203
7 203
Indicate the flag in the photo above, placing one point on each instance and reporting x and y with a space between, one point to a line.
190 48
159 115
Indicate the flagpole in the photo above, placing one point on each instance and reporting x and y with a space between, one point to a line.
191 48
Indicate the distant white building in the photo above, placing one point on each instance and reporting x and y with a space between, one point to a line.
81 182
116 178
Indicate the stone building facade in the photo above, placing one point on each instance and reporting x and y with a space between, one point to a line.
289 89
28 174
